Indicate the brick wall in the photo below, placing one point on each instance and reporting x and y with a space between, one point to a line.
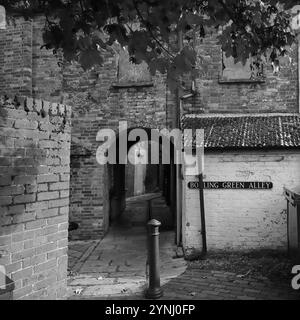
96 104
16 58
242 219
277 94
89 197
99 104
27 69
34 196
47 78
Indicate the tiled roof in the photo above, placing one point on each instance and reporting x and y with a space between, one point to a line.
259 131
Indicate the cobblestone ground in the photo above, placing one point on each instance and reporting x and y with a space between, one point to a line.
216 285
212 285
115 269
77 252
116 265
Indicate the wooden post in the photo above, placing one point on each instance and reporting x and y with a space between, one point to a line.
202 213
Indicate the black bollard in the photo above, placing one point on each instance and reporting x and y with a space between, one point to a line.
154 291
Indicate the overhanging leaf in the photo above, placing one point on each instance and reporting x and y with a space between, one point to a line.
89 58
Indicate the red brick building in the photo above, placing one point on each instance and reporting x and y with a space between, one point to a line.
100 99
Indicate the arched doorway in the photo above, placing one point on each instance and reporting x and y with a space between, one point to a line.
117 264
132 185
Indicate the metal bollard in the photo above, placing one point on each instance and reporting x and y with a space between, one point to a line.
154 291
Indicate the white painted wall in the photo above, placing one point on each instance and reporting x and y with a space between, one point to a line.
139 157
241 219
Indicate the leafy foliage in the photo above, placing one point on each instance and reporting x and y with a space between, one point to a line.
149 29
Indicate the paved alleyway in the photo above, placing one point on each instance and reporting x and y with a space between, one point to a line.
196 284
117 264
115 268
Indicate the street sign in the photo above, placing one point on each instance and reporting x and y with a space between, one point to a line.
232 185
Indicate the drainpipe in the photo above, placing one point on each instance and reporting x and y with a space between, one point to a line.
298 37
295 24
200 176
201 184
178 166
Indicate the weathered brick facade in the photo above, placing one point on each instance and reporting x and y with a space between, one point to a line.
139 106
34 195
16 58
278 93
98 103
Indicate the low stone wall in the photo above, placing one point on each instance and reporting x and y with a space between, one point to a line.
34 196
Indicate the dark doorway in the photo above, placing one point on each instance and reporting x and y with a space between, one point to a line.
132 185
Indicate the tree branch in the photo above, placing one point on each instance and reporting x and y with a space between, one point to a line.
223 4
150 31
81 6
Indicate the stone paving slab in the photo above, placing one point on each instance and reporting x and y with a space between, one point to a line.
211 285
115 268
117 265
214 285
78 251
